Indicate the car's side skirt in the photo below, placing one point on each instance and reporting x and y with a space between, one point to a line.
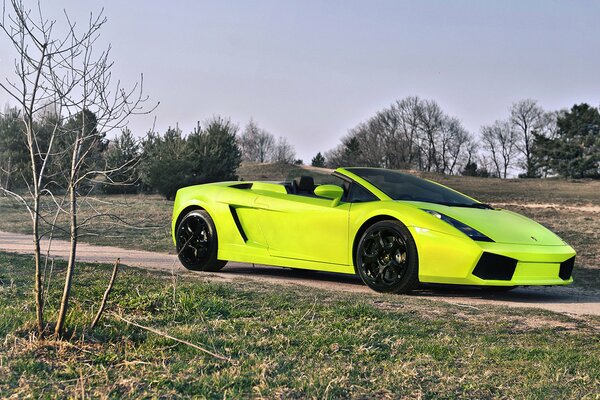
245 256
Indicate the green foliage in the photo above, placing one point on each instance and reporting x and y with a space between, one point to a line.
121 160
471 169
166 162
209 154
575 151
318 160
81 126
215 152
14 158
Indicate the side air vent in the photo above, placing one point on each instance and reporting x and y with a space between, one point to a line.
238 224
566 269
495 267
245 185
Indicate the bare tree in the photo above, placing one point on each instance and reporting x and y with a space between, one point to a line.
455 144
57 65
284 152
431 120
411 133
408 111
500 141
256 144
32 89
527 118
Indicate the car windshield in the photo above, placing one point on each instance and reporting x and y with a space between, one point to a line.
400 186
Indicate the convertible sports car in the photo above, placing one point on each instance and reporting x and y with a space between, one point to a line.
392 229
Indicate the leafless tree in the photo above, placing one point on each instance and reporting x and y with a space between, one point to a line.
58 65
408 111
256 144
284 152
411 133
500 141
527 118
431 120
455 143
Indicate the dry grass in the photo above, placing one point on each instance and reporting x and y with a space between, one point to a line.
491 190
140 222
287 342
265 172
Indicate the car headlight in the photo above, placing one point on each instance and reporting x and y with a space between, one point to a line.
466 229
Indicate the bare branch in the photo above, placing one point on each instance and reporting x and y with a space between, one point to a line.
195 346
106 293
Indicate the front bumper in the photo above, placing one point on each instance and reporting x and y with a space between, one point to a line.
450 259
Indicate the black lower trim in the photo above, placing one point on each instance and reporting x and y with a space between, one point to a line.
238 224
495 267
566 269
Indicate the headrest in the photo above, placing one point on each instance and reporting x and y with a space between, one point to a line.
306 184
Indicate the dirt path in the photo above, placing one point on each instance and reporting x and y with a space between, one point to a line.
559 299
584 208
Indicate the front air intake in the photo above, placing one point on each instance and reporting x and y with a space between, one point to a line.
495 267
566 269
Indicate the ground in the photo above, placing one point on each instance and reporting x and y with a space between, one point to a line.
292 342
296 341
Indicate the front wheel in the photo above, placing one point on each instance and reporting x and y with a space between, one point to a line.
386 258
196 240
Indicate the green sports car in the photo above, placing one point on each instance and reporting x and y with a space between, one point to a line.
392 229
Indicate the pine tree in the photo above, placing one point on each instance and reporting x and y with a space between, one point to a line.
14 157
318 160
575 151
121 159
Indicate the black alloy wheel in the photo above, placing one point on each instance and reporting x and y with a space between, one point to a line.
196 239
386 258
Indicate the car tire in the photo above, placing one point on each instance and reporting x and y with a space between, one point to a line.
386 258
197 244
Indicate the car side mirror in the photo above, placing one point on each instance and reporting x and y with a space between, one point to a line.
332 192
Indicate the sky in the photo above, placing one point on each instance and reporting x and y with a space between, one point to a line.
311 70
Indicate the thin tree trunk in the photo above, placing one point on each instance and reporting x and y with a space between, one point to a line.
38 289
64 304
8 173
106 293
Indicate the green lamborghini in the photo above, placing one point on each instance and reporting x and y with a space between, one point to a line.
392 229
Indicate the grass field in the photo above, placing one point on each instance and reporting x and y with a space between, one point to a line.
296 342
284 342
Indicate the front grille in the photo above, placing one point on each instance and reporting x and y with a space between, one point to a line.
566 269
495 267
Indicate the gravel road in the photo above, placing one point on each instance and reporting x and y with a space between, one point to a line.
568 300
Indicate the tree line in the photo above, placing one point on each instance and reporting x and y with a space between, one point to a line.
157 162
411 133
414 133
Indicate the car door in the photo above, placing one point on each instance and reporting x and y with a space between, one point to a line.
305 228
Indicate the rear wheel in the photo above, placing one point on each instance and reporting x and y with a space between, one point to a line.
196 240
386 258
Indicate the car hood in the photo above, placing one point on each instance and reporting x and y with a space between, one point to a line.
502 226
